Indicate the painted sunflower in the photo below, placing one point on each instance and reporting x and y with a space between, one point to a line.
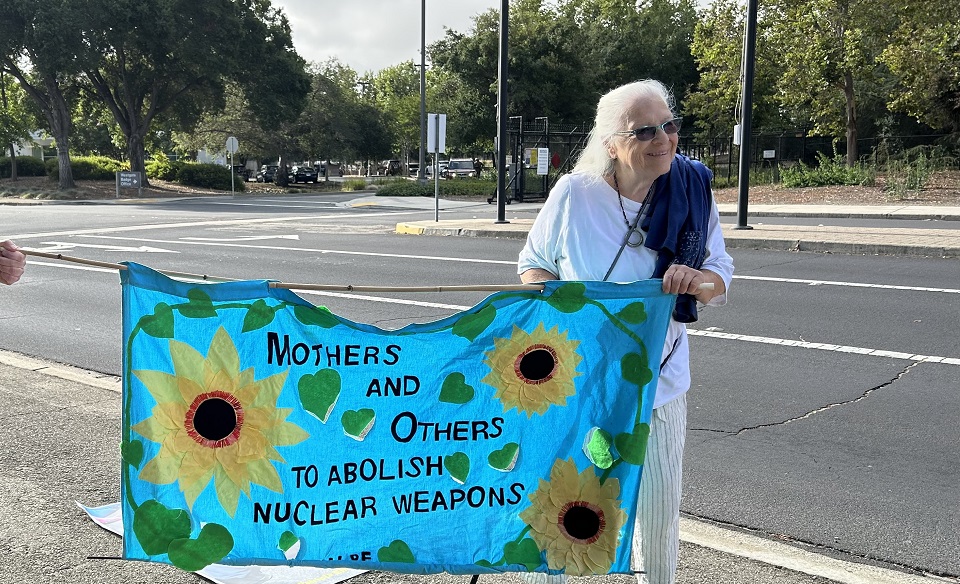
213 421
533 371
576 520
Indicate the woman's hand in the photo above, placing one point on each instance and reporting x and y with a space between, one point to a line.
681 279
12 262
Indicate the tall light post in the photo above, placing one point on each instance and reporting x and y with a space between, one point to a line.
501 152
423 91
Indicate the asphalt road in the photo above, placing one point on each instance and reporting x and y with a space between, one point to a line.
854 454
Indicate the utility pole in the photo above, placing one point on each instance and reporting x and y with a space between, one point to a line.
502 115
423 91
749 56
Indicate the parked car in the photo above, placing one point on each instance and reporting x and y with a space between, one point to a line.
391 168
336 169
460 168
413 168
267 173
303 174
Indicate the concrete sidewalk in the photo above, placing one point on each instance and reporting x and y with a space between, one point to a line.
890 240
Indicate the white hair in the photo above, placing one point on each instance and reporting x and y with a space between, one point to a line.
612 110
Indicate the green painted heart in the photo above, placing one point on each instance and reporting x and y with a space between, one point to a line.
505 458
397 551
357 423
132 452
633 313
456 390
597 447
458 465
471 325
212 545
633 447
319 393
287 540
259 314
156 526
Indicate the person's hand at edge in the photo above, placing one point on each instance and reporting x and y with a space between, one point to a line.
12 262
681 279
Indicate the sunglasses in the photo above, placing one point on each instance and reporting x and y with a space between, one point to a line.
647 133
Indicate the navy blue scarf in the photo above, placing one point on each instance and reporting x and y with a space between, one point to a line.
677 222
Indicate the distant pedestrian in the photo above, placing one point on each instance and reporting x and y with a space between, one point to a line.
477 166
12 262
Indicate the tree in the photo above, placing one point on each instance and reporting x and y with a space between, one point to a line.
828 50
398 96
42 46
14 119
924 54
718 51
171 60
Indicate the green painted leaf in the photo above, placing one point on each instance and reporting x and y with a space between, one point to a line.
156 526
568 297
633 368
317 316
597 447
458 465
484 563
456 390
358 423
132 452
259 315
199 305
212 545
287 541
160 323
633 447
523 552
397 551
471 325
319 393
633 313
505 458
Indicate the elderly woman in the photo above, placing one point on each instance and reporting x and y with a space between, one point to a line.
12 262
632 209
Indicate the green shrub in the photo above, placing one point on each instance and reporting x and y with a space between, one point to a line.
162 168
355 184
26 166
459 187
829 171
208 176
88 168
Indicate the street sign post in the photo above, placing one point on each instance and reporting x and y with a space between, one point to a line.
129 180
436 143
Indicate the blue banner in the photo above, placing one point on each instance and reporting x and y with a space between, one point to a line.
261 429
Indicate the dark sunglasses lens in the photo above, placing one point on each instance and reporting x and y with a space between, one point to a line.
671 127
645 134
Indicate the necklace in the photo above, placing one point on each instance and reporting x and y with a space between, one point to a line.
634 234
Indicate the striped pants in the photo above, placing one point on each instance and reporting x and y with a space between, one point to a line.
656 536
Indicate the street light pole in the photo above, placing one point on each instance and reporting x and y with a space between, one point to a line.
423 91
501 152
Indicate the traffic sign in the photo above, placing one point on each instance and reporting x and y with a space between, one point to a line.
232 145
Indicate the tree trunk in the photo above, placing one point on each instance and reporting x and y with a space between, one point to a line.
60 124
852 154
135 155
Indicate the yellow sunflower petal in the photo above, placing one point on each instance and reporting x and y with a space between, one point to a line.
247 393
228 493
286 434
270 388
222 382
222 355
193 490
162 386
170 415
264 474
187 361
161 470
229 461
152 429
190 389
252 445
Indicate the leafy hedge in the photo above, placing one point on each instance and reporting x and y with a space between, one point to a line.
459 187
163 168
26 166
88 168
830 171
208 176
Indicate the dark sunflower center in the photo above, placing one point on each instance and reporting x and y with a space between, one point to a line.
537 365
581 522
215 419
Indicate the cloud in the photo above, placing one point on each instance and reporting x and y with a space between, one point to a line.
369 35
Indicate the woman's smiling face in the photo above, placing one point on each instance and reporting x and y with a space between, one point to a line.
652 158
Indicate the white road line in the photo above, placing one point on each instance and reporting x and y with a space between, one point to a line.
313 250
825 347
220 223
847 284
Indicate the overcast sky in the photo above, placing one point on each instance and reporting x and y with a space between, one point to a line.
369 35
